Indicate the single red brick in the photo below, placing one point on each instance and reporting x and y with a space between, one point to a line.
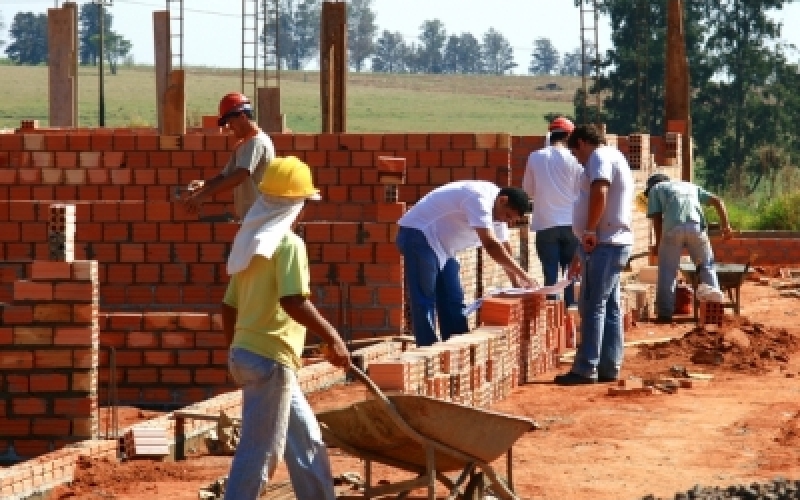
28 406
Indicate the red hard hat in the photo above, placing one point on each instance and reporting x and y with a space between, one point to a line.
233 102
561 124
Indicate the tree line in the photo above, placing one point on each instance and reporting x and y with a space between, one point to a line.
28 34
434 50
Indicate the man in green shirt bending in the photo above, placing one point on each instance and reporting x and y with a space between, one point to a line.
676 208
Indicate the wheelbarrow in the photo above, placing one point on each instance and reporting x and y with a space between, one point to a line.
730 277
427 437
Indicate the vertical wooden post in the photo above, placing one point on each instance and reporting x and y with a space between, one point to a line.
163 62
677 86
270 118
62 27
175 104
333 67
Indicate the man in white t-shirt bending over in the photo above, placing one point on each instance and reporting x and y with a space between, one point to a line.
551 179
451 218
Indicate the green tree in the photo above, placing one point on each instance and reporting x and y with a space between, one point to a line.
462 54
28 38
2 28
734 114
89 27
298 27
116 49
390 53
498 55
571 63
545 57
361 30
430 52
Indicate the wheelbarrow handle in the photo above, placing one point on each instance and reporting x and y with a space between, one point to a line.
373 388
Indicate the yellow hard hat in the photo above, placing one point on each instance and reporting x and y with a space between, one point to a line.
288 177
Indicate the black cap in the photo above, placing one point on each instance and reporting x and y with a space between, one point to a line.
653 180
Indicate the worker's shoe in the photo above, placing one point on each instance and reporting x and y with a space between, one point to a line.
606 380
572 378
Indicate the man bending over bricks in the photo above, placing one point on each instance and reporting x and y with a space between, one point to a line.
676 208
451 218
265 314
246 165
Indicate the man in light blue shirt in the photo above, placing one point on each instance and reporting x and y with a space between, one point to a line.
676 208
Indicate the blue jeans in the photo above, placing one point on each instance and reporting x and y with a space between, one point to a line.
431 290
696 242
602 336
277 421
556 247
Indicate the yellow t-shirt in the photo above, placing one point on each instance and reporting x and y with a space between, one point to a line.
262 326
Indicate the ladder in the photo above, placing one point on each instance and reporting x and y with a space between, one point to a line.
590 58
175 9
250 52
271 64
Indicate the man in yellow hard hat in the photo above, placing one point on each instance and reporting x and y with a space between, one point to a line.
246 165
266 312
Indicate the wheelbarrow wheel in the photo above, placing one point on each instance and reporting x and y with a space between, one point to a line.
475 487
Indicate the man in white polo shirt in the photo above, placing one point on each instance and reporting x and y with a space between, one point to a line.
602 221
451 218
551 180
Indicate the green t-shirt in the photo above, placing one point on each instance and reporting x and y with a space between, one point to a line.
262 326
678 202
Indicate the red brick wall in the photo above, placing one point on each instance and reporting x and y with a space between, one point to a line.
157 261
48 359
768 248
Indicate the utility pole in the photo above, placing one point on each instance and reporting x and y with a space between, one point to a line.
101 106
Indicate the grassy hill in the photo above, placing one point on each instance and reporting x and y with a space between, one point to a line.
376 102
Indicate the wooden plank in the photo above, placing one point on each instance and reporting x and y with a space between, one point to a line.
163 61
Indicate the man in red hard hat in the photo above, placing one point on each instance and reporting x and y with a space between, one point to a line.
246 165
551 179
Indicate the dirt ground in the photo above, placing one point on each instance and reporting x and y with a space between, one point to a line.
742 427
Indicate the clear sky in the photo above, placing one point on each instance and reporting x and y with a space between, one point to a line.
212 28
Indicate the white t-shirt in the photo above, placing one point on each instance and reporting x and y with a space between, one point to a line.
551 179
609 164
449 215
253 154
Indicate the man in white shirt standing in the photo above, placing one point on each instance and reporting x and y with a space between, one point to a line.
602 221
246 165
551 180
451 218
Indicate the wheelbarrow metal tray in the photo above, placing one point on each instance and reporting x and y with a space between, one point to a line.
365 426
728 275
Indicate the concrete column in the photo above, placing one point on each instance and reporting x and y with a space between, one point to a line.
270 118
333 67
175 104
163 61
62 39
677 86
